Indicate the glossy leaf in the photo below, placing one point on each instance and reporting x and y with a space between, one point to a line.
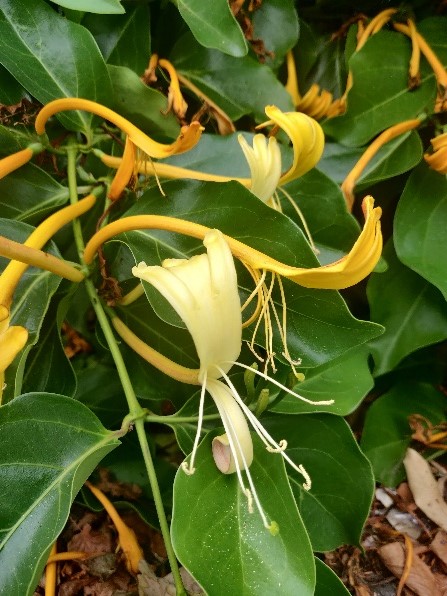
12 140
387 434
413 312
327 581
51 56
321 201
238 85
11 91
347 381
50 445
30 303
419 226
47 367
275 22
98 6
224 546
379 97
312 314
337 505
124 40
143 106
28 194
214 26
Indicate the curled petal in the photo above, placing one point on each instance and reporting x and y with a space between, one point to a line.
124 172
348 271
264 160
307 139
438 159
188 137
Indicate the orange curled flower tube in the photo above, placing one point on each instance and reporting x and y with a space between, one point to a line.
188 137
348 271
16 160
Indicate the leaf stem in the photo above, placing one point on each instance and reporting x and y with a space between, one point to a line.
135 410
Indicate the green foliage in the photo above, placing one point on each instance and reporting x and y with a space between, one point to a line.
374 352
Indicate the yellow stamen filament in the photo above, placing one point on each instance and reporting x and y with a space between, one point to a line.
189 135
386 136
414 75
37 239
50 574
259 280
126 536
14 161
302 219
38 258
431 57
124 172
175 97
224 122
183 374
345 272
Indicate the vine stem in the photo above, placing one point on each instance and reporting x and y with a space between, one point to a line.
134 407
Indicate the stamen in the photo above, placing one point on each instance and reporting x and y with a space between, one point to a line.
251 493
328 402
191 469
271 445
302 219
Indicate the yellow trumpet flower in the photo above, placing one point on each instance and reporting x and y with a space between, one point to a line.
345 272
188 137
203 290
438 159
305 133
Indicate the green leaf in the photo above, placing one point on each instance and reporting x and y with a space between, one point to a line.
11 91
12 140
313 315
275 23
226 548
98 6
124 40
396 157
52 57
29 194
327 581
214 26
387 434
337 505
49 446
420 226
346 380
31 301
412 311
143 106
47 368
380 97
333 230
238 85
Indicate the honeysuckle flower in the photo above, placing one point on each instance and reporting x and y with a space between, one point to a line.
203 290
188 137
305 133
264 160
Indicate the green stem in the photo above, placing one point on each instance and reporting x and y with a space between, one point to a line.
134 407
